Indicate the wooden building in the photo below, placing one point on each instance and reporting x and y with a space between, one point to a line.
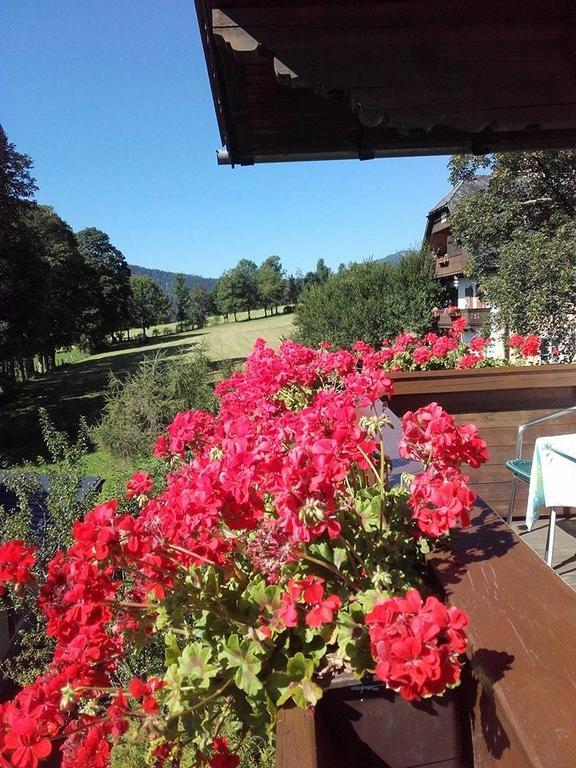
450 257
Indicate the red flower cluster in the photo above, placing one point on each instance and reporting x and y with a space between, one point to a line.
458 327
441 501
221 755
408 352
16 560
144 692
310 593
139 485
527 346
440 497
416 645
431 435
253 485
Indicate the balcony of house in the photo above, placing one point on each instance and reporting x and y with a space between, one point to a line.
476 318
451 263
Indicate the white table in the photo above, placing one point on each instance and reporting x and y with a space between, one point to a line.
552 481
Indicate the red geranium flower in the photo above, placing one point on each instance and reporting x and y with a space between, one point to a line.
139 484
16 560
222 757
26 745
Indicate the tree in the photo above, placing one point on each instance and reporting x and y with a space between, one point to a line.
369 301
110 285
544 266
200 305
149 304
270 281
524 217
223 297
293 288
16 181
20 269
244 287
65 293
527 192
323 271
181 292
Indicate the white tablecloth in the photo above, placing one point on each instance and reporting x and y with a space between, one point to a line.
553 476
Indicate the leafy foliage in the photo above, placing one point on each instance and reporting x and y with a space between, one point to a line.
521 226
181 293
369 301
139 407
110 286
270 282
543 265
148 303
200 306
62 504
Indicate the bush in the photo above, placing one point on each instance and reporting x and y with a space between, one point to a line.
369 301
62 505
139 407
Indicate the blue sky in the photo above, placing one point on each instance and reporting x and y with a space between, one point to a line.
111 100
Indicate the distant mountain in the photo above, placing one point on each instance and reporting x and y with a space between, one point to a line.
166 279
393 258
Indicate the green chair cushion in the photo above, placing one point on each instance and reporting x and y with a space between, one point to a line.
520 468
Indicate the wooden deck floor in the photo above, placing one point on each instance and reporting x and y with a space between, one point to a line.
564 563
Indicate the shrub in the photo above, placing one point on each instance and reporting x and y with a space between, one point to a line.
139 407
43 520
369 301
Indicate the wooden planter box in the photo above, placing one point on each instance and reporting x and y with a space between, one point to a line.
366 725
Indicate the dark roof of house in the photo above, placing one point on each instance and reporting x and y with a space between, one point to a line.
462 189
303 80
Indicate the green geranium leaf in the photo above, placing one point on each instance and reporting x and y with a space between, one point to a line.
172 653
340 557
368 599
424 546
173 695
242 657
306 694
299 667
195 664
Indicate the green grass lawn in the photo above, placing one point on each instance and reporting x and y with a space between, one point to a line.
77 388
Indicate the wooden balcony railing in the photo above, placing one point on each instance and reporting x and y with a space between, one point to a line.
449 265
477 318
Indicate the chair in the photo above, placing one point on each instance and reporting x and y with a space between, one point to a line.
521 469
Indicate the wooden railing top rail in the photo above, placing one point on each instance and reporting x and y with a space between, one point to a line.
480 379
522 645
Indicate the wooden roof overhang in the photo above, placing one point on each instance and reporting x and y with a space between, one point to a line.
325 79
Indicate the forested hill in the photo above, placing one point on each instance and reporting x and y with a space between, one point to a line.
166 279
393 258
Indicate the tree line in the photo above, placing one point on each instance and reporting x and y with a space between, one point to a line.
248 287
58 287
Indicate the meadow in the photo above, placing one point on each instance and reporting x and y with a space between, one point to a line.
78 385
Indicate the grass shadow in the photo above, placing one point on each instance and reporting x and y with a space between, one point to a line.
67 394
